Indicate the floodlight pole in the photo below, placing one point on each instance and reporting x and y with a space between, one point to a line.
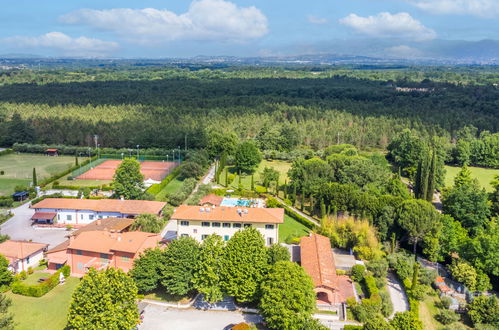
138 146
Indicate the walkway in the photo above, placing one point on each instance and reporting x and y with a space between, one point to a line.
397 294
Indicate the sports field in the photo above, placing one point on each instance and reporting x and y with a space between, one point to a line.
483 175
154 170
18 169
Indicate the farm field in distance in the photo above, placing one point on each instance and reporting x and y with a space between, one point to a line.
484 176
18 169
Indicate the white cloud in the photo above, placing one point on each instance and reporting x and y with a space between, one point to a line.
59 41
317 20
204 20
481 8
403 51
386 25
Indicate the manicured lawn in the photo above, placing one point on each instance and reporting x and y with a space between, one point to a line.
83 183
171 188
291 227
7 186
47 312
19 169
484 175
279 165
33 278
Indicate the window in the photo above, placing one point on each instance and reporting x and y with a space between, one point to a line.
125 259
226 225
184 235
80 266
226 238
91 217
270 241
58 217
184 223
195 231
203 237
246 225
236 225
205 224
100 216
79 252
215 224
269 226
27 260
69 217
103 256
81 216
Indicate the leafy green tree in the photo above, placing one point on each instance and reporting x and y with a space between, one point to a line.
207 276
406 321
149 223
245 263
277 252
128 181
146 270
483 250
6 276
418 218
494 196
189 169
104 300
6 319
465 273
181 258
463 177
247 157
220 142
467 203
269 175
18 131
406 149
377 322
484 310
452 236
288 297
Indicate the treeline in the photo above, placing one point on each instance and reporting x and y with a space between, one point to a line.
169 112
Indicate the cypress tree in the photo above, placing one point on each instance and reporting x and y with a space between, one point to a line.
252 183
323 209
227 178
76 161
294 193
35 181
285 188
431 177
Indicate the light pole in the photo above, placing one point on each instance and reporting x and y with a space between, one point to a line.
98 150
122 156
178 154
138 146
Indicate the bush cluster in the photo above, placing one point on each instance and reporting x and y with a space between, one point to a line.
38 290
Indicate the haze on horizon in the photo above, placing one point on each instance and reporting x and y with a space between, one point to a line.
403 29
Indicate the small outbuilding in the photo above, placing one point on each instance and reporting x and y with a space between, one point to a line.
22 254
20 196
52 152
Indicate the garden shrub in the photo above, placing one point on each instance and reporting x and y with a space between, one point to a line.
358 272
371 286
36 290
445 302
66 271
386 303
447 317
30 270
352 327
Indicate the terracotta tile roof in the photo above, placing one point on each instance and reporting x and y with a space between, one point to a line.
107 224
61 247
102 205
229 214
106 242
20 249
211 199
43 216
318 261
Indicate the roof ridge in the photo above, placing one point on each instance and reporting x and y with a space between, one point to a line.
318 256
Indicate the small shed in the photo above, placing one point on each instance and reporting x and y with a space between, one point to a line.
52 152
20 196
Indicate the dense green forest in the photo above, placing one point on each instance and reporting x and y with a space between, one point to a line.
162 107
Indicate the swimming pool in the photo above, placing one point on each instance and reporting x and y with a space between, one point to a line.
234 202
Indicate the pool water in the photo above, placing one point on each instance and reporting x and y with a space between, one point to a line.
234 202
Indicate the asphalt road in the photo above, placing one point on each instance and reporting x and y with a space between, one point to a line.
19 228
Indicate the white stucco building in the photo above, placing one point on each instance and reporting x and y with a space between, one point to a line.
22 255
200 222
84 211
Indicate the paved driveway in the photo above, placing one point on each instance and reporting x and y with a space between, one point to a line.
397 294
19 228
157 317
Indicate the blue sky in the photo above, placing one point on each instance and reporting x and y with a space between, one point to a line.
154 28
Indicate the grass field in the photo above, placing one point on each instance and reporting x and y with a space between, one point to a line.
18 169
281 166
291 227
484 176
171 188
33 278
83 183
48 312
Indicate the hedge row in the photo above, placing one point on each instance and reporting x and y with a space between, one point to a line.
40 289
372 289
6 152
57 176
304 221
156 188
75 150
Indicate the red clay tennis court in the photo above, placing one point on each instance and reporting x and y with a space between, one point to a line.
154 170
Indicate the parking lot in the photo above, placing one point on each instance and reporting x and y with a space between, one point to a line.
158 317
